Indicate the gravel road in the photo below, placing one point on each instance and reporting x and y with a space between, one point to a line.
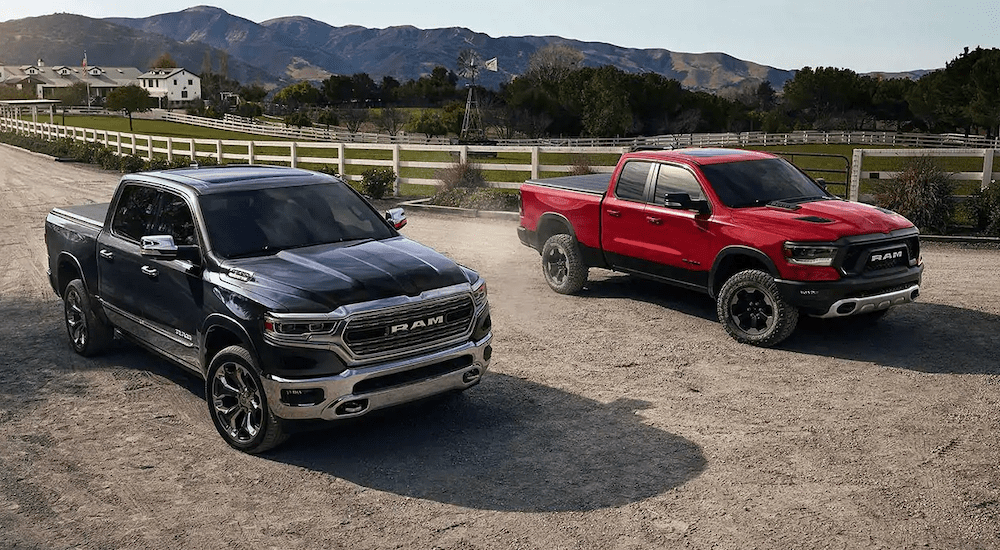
622 417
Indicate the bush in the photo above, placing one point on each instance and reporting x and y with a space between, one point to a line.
376 182
299 119
461 174
922 193
984 210
478 199
581 166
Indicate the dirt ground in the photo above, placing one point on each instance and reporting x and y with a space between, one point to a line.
620 418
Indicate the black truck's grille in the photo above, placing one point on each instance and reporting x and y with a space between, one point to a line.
877 257
416 326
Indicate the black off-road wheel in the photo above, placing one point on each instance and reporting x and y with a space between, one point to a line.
238 405
752 310
88 336
563 265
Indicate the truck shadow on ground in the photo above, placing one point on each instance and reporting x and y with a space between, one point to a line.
923 337
509 445
617 285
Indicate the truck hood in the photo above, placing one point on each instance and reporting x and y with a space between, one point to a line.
824 220
325 277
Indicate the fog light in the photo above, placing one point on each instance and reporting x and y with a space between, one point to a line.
302 397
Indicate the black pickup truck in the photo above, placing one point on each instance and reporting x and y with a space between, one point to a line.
284 289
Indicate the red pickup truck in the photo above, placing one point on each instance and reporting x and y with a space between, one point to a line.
748 228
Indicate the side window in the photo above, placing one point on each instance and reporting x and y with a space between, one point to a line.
134 212
631 184
674 179
175 220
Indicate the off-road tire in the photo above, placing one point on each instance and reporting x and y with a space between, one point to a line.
238 405
562 264
752 310
88 336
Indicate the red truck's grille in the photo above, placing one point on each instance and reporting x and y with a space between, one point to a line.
881 256
418 326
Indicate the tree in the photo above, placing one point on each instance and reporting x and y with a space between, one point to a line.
164 62
353 118
605 109
427 122
252 93
390 120
553 61
130 99
75 94
297 95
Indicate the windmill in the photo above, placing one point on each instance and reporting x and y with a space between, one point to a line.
470 63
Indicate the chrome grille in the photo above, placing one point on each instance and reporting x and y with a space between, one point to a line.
397 330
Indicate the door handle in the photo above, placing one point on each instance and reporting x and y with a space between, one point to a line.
107 254
149 271
614 213
654 220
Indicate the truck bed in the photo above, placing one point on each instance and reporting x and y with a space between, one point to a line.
89 214
595 184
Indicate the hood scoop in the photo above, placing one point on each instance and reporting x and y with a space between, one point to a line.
814 219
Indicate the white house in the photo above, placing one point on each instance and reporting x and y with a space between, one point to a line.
173 87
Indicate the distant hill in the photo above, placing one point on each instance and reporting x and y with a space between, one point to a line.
288 49
61 39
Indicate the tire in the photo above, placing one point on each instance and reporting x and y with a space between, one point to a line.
562 264
752 310
238 405
88 336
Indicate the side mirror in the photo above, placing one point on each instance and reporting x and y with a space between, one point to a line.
163 247
396 217
683 201
821 182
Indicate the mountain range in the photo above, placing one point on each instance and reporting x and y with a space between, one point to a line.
280 51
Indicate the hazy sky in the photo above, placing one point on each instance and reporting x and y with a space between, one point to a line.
865 36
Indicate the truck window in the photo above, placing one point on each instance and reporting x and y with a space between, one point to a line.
175 220
758 182
631 184
134 212
674 179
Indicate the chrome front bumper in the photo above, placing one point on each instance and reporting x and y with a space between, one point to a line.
388 384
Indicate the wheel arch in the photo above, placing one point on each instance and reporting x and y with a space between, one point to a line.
221 332
552 223
732 260
68 267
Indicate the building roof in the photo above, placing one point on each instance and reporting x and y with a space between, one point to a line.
163 73
62 76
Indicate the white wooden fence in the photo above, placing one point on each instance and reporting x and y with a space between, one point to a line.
318 153
986 176
330 153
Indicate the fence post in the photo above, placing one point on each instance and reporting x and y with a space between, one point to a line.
118 141
463 155
293 151
854 186
194 154
149 143
250 155
170 150
987 167
395 168
535 156
218 150
341 163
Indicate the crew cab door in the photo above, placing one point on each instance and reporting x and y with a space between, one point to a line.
155 300
678 242
623 222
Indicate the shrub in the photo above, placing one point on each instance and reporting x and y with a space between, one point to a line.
922 192
984 210
581 166
461 174
376 182
298 118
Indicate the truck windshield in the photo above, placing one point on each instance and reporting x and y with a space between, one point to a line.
759 182
257 222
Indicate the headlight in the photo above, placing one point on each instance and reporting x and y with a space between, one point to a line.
299 328
814 254
479 292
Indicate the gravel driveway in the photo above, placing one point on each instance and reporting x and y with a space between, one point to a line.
623 417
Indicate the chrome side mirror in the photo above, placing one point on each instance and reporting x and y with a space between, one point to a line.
159 246
396 217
